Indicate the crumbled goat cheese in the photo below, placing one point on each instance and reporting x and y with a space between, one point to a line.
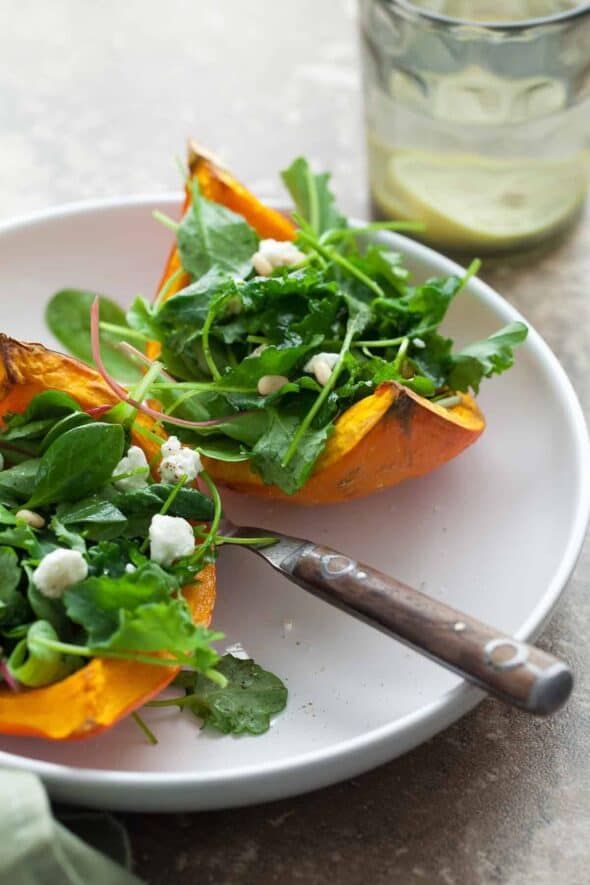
58 570
321 365
178 461
135 459
237 650
275 253
130 568
31 517
171 537
271 383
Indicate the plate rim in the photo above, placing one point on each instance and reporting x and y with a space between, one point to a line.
453 703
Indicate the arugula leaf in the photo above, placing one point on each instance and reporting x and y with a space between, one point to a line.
211 236
269 452
68 318
98 603
189 307
6 517
13 605
46 609
66 537
111 558
141 318
312 196
432 300
490 356
433 359
245 705
137 612
275 360
77 463
23 537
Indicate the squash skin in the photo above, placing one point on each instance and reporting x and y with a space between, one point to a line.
384 439
102 692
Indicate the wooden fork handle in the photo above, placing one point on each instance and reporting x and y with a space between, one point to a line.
509 668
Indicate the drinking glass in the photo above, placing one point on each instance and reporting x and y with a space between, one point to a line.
478 118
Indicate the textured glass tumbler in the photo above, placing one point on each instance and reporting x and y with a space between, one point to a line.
479 128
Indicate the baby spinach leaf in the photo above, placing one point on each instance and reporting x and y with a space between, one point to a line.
484 358
312 196
252 695
47 404
77 463
97 516
141 504
13 605
75 419
17 483
29 430
211 236
33 664
68 318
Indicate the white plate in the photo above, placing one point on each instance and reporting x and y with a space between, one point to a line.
495 532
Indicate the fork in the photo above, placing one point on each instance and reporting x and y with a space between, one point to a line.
514 671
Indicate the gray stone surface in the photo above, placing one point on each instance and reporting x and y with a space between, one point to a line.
95 99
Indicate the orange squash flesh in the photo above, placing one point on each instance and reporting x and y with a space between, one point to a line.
105 690
387 437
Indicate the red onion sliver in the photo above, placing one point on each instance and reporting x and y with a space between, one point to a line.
98 411
133 351
11 682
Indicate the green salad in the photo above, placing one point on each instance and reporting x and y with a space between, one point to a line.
271 341
94 552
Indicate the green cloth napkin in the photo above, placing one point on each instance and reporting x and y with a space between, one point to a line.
38 850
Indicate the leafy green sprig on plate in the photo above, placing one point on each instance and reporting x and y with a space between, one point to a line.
60 488
350 296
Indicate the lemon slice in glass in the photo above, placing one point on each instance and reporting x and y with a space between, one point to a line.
472 202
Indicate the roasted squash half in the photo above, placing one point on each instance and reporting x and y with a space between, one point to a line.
387 437
103 691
